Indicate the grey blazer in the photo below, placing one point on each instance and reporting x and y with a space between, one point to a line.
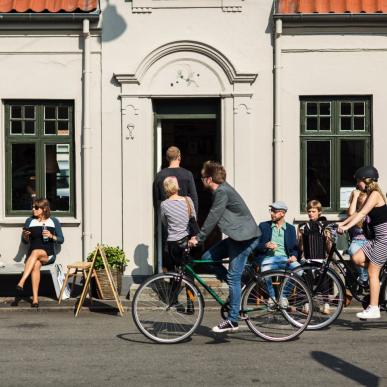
231 214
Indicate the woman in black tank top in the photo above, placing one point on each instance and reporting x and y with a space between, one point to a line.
41 232
373 254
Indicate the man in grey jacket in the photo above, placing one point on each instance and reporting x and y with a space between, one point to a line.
231 214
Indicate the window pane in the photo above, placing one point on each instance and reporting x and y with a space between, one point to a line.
325 123
29 111
318 159
352 158
325 109
345 108
345 123
29 127
16 127
311 108
358 108
49 112
358 123
311 123
63 112
57 171
16 112
63 128
23 176
49 127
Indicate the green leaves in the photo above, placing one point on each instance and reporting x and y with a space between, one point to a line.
115 257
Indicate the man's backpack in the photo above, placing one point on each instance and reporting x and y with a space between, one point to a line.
313 240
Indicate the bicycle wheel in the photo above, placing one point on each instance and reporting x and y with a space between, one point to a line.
328 295
167 308
274 306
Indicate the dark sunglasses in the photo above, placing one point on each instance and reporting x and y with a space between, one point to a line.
36 207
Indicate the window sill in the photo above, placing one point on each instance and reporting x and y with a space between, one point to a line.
19 221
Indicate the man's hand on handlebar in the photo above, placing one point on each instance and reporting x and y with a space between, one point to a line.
193 242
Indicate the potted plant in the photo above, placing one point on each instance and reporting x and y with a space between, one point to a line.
117 262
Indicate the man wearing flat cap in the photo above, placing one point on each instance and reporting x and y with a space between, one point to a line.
278 246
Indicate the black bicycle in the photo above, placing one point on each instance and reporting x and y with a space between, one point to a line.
169 307
334 282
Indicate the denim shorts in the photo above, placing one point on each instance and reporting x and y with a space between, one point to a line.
355 245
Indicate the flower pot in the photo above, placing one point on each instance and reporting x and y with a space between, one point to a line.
105 284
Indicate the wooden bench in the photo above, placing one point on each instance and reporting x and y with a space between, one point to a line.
18 268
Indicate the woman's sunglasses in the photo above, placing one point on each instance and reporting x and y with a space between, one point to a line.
36 207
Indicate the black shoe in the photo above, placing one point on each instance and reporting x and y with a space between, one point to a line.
19 291
35 305
226 326
190 307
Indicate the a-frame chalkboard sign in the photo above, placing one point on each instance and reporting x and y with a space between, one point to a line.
101 252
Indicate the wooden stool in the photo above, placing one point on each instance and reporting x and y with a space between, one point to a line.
72 271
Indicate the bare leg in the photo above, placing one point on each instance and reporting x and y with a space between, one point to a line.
373 273
360 259
35 280
36 255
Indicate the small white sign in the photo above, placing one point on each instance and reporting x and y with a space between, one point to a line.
345 193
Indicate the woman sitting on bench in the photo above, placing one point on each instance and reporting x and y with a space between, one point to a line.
42 232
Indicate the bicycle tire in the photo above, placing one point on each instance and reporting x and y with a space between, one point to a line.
333 295
266 316
166 310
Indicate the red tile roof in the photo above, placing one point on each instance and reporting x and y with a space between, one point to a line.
52 6
331 6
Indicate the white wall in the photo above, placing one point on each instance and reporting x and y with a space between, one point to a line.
330 64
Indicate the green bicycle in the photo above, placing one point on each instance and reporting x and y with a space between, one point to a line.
169 307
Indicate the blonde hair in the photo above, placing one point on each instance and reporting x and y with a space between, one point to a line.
371 186
314 204
173 153
171 186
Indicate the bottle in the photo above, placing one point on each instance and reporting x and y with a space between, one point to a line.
44 228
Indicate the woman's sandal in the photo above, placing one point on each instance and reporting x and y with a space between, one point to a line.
35 305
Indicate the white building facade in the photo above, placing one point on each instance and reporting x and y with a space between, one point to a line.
289 101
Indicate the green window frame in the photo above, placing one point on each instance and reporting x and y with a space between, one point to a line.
39 155
335 140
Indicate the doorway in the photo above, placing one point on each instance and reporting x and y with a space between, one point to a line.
194 127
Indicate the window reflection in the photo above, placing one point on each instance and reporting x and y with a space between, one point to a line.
23 176
58 176
318 172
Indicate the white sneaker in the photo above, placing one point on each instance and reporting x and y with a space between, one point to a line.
326 309
305 308
284 303
369 313
270 302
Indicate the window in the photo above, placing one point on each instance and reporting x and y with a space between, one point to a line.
39 140
335 141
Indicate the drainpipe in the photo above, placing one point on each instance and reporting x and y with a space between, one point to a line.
86 142
277 111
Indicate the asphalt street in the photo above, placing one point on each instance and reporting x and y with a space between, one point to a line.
52 348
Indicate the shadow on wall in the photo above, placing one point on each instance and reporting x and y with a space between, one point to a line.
21 252
141 257
113 24
342 367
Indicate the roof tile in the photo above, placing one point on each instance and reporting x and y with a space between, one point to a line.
53 6
332 6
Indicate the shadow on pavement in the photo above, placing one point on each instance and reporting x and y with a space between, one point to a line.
342 367
360 325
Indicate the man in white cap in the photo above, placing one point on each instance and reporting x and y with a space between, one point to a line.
278 245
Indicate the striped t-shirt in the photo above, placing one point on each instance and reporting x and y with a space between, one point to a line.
174 214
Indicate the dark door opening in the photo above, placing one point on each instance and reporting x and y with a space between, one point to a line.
194 127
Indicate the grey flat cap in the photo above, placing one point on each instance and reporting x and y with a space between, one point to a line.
278 205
